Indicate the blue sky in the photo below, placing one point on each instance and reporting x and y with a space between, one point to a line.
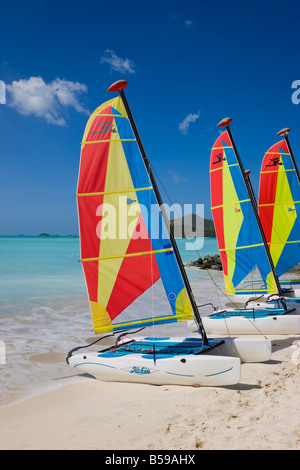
188 64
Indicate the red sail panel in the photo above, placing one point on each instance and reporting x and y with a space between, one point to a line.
94 158
216 184
268 187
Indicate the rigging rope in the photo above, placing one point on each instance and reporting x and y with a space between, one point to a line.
70 353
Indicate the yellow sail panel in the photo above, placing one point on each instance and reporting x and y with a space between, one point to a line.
283 218
101 319
117 227
233 219
183 306
106 109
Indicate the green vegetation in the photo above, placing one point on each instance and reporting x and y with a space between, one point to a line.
192 226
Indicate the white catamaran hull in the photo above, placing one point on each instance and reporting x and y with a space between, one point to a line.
219 366
267 324
204 370
285 324
247 349
292 300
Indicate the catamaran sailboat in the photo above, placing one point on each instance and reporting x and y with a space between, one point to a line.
121 265
243 244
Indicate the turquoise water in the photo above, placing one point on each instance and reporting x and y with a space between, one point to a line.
44 310
33 268
209 246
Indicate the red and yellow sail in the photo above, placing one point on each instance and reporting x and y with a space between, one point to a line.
114 196
278 202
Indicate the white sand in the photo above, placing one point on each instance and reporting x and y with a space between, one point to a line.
262 412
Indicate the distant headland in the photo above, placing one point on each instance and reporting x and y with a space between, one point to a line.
192 225
48 235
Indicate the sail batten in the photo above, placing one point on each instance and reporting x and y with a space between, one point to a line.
126 255
278 203
230 204
106 140
117 191
220 168
241 247
275 171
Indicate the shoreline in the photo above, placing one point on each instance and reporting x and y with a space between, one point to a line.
261 412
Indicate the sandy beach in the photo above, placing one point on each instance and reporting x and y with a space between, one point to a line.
262 412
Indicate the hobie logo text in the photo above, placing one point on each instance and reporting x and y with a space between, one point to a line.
139 370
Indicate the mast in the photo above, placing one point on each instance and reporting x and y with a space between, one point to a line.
119 86
225 123
285 132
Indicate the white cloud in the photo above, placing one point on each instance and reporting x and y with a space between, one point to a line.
176 19
2 92
176 177
46 100
188 23
184 125
117 63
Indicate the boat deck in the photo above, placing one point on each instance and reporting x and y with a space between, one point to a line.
252 313
163 347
